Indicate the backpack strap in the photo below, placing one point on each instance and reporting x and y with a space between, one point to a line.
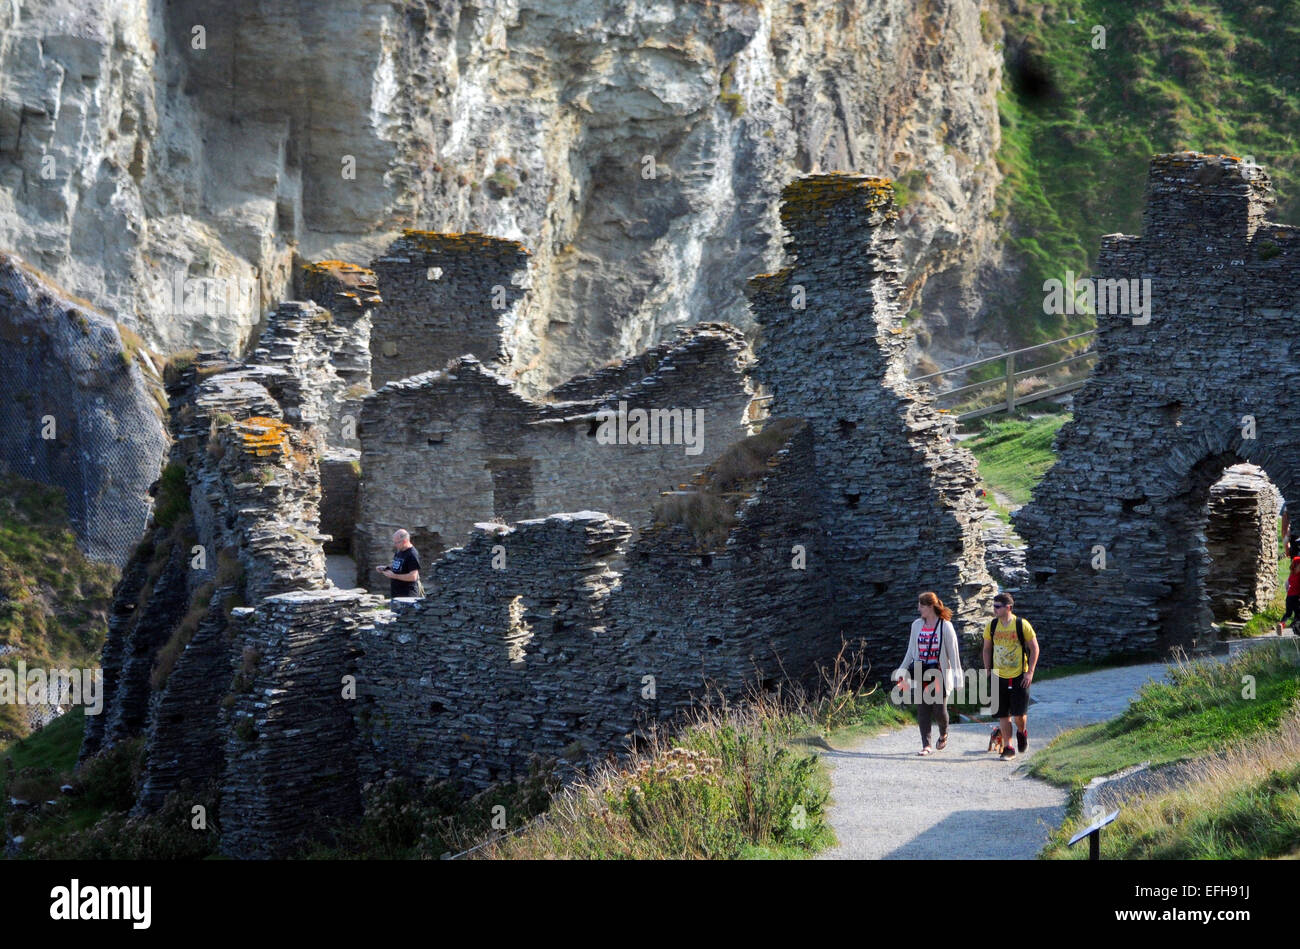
1020 634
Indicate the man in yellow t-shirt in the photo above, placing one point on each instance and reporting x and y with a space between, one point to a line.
1013 667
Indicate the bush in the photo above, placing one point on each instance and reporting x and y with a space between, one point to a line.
173 501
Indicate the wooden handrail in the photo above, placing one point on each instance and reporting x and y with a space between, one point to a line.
1013 353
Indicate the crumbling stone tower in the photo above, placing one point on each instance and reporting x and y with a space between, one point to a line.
444 295
1116 530
897 499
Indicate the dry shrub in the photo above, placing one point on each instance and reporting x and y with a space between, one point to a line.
709 511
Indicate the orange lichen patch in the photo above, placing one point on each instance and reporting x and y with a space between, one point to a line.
326 276
768 284
469 242
263 437
337 268
810 197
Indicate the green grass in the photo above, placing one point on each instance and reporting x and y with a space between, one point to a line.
1014 454
1200 710
1217 77
1241 805
54 747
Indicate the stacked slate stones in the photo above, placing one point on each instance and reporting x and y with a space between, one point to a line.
1241 538
289 735
445 449
897 502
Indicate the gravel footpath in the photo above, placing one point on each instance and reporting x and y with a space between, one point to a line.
964 802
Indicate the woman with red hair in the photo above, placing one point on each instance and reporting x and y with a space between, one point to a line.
934 658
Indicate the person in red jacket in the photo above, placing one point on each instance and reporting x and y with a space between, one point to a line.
1292 595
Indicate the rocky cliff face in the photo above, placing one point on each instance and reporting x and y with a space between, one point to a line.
172 161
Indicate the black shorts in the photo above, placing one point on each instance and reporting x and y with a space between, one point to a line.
1292 607
1011 698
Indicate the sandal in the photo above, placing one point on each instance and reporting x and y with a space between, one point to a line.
927 750
943 742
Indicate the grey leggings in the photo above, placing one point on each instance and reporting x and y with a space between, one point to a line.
936 707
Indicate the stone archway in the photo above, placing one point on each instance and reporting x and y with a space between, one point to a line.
1186 385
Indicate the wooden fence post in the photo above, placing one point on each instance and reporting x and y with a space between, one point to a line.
1011 382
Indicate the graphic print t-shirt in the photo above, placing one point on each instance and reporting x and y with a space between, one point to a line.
1008 658
404 561
927 645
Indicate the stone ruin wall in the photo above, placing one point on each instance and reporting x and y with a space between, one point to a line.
444 450
896 494
1165 413
1241 539
550 654
248 443
445 295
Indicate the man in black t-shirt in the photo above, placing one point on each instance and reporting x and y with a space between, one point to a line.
405 569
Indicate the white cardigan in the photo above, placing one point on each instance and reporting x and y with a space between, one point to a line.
949 655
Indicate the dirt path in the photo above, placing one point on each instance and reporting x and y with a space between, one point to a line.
964 802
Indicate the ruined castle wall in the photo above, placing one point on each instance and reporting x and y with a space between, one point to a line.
251 531
554 654
755 606
1174 400
898 495
447 449
501 663
444 296
350 293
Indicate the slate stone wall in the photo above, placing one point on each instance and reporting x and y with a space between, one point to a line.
444 296
1241 539
897 495
444 450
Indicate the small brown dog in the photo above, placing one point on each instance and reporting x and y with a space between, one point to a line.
995 739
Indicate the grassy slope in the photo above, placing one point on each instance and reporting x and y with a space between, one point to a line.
1201 709
53 602
1014 454
1079 125
1244 802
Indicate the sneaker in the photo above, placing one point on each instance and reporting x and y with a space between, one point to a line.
1007 753
1022 740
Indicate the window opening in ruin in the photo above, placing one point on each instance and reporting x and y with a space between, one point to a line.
706 560
436 707
518 633
846 426
880 588
852 500
593 428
